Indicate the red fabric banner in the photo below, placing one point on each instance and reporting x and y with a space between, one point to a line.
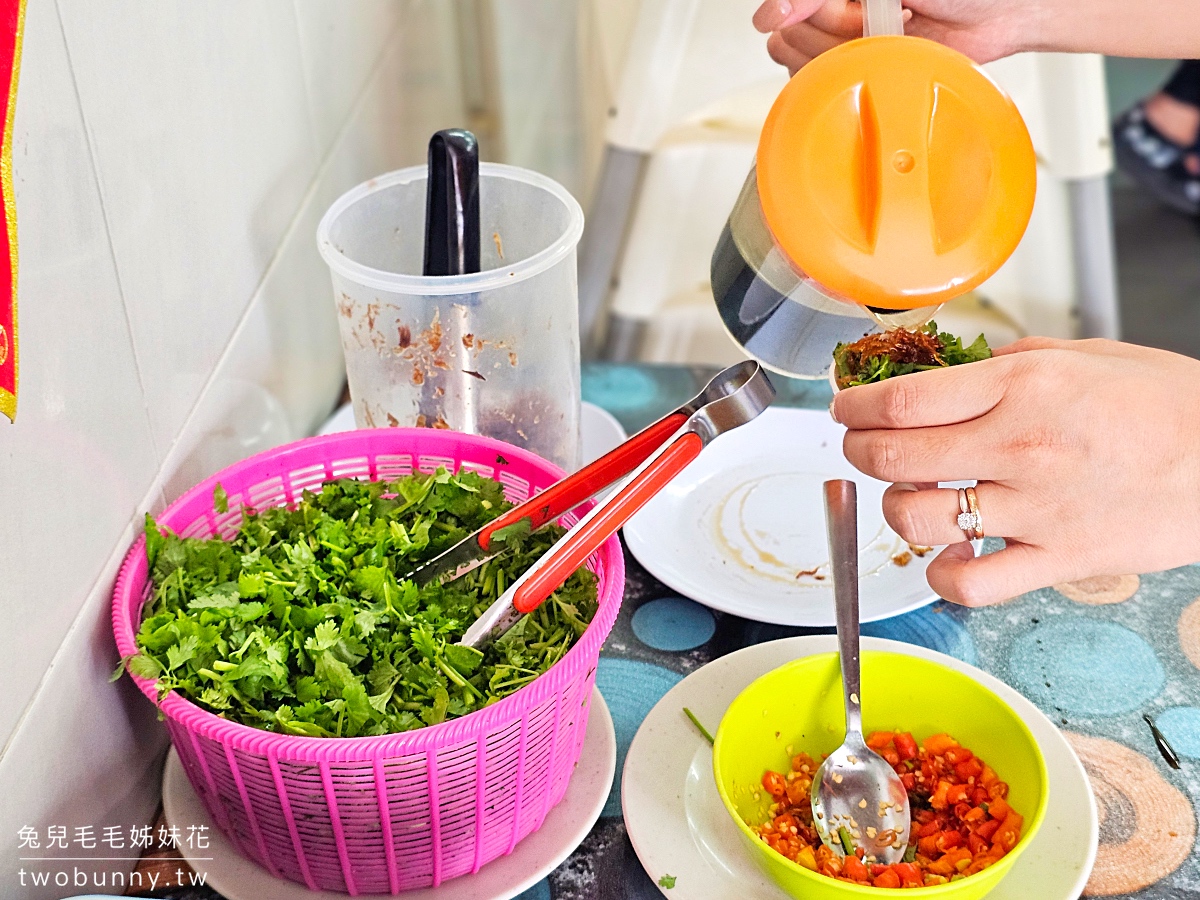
12 22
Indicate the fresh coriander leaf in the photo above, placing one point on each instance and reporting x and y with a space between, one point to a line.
298 623
154 541
517 531
143 666
422 638
465 659
220 500
667 882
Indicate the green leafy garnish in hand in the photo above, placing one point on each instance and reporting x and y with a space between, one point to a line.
303 623
877 357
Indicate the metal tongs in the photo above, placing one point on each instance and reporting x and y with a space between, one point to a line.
644 465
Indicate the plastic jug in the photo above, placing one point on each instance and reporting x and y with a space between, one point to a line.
891 175
494 351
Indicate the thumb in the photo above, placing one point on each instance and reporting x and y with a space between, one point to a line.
775 15
959 576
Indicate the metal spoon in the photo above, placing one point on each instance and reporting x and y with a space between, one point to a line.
858 800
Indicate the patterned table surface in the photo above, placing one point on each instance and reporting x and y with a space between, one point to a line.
1094 656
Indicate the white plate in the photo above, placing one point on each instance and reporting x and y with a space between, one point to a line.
678 825
599 431
737 527
534 858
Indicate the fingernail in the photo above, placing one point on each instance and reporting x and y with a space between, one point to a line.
904 486
784 8
832 414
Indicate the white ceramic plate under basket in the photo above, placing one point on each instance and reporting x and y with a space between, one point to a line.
742 529
534 858
678 825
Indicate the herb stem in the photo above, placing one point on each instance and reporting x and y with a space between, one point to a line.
704 731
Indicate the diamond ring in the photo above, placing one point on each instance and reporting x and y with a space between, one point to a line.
969 519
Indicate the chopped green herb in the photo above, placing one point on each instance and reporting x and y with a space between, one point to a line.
303 623
878 357
847 841
704 731
667 882
910 852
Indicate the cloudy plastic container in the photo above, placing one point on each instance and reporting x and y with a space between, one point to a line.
494 353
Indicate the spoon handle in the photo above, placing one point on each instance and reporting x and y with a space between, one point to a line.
841 518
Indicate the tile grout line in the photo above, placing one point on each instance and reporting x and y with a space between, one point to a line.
112 254
304 72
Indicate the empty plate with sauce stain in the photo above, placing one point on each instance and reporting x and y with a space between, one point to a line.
742 529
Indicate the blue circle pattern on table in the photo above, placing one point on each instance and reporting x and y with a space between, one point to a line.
927 627
630 688
673 624
1180 725
540 891
620 388
1086 667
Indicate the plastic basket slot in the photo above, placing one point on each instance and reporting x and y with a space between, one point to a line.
414 867
306 478
266 494
397 770
200 528
136 618
537 781
390 466
356 775
516 488
478 468
226 525
430 463
351 467
401 778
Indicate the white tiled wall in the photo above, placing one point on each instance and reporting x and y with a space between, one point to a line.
171 161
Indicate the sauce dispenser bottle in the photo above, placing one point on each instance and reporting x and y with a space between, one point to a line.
892 174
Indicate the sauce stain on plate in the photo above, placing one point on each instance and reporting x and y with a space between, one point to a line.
754 524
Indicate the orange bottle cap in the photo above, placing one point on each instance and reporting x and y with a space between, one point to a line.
894 172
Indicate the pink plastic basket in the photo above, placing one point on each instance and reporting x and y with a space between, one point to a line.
396 812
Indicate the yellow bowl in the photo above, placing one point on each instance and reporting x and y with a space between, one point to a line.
798 707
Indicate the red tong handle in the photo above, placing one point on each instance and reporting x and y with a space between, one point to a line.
582 542
591 479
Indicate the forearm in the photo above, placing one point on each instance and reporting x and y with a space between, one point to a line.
1116 28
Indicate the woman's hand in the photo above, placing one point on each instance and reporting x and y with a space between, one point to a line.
1087 455
982 29
989 29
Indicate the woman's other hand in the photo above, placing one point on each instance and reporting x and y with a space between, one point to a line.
1087 455
989 29
982 29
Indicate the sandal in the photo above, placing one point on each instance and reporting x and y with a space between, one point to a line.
1155 162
